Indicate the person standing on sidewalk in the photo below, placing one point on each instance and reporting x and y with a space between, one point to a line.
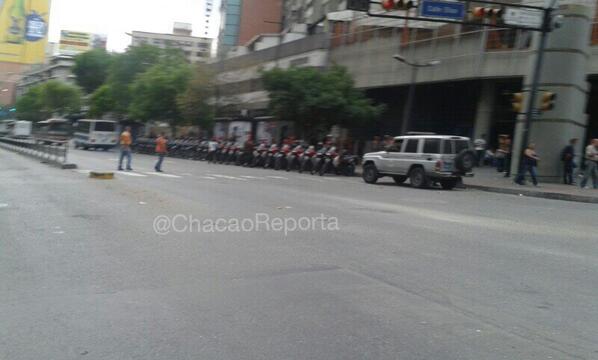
530 162
591 162
125 148
480 149
568 158
161 150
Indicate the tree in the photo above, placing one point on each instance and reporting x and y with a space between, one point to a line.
155 92
316 100
30 106
48 99
124 68
192 104
91 69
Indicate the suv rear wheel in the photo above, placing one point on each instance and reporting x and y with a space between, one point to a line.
370 173
399 179
418 178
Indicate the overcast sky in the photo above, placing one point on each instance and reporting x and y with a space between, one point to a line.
117 17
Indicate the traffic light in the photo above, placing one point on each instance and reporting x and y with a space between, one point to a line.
390 5
548 99
517 102
480 13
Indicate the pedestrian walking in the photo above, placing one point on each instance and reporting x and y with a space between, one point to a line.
508 149
530 163
568 159
125 148
480 149
161 150
591 165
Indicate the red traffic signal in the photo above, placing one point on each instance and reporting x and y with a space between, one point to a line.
390 5
479 13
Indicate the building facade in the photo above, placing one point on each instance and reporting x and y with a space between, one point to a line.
242 20
196 49
57 68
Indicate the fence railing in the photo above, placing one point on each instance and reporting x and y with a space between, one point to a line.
47 150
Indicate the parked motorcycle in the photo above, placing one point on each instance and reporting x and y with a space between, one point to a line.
270 157
339 163
306 159
259 155
280 159
294 158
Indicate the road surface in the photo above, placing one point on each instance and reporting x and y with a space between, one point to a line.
408 274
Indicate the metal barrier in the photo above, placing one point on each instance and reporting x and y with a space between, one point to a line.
49 151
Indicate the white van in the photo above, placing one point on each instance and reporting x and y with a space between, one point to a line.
5 126
20 129
97 134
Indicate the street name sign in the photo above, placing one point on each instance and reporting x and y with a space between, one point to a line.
442 9
523 17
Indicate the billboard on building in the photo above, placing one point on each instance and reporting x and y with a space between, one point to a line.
23 30
77 42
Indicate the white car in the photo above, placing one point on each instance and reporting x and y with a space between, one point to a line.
423 159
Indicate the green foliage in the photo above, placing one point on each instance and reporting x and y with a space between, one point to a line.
316 100
91 69
155 91
48 99
116 97
192 103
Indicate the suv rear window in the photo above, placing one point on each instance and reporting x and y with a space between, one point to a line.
411 146
447 147
432 146
461 145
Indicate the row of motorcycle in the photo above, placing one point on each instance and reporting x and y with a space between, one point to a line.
315 159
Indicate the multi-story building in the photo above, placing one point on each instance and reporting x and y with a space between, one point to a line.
196 49
467 92
58 68
242 20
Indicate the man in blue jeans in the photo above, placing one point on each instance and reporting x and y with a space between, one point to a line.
125 148
591 171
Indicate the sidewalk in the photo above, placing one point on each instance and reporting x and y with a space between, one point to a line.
487 179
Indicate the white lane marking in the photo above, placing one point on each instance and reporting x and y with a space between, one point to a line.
83 171
163 175
208 177
3 206
142 203
227 177
128 173
252 177
278 177
58 232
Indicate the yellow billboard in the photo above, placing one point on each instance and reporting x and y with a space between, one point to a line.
23 30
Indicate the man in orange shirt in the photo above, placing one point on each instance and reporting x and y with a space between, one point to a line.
161 150
125 148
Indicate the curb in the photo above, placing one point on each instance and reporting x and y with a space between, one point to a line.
536 194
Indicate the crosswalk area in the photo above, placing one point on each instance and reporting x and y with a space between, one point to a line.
211 176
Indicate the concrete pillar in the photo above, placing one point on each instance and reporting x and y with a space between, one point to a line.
484 111
564 73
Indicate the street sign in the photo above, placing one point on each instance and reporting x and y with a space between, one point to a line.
358 5
442 9
523 17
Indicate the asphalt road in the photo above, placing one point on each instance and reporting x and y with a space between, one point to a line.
408 274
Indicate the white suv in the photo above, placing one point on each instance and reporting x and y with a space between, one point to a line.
423 159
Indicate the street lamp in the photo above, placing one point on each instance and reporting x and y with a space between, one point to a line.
415 66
